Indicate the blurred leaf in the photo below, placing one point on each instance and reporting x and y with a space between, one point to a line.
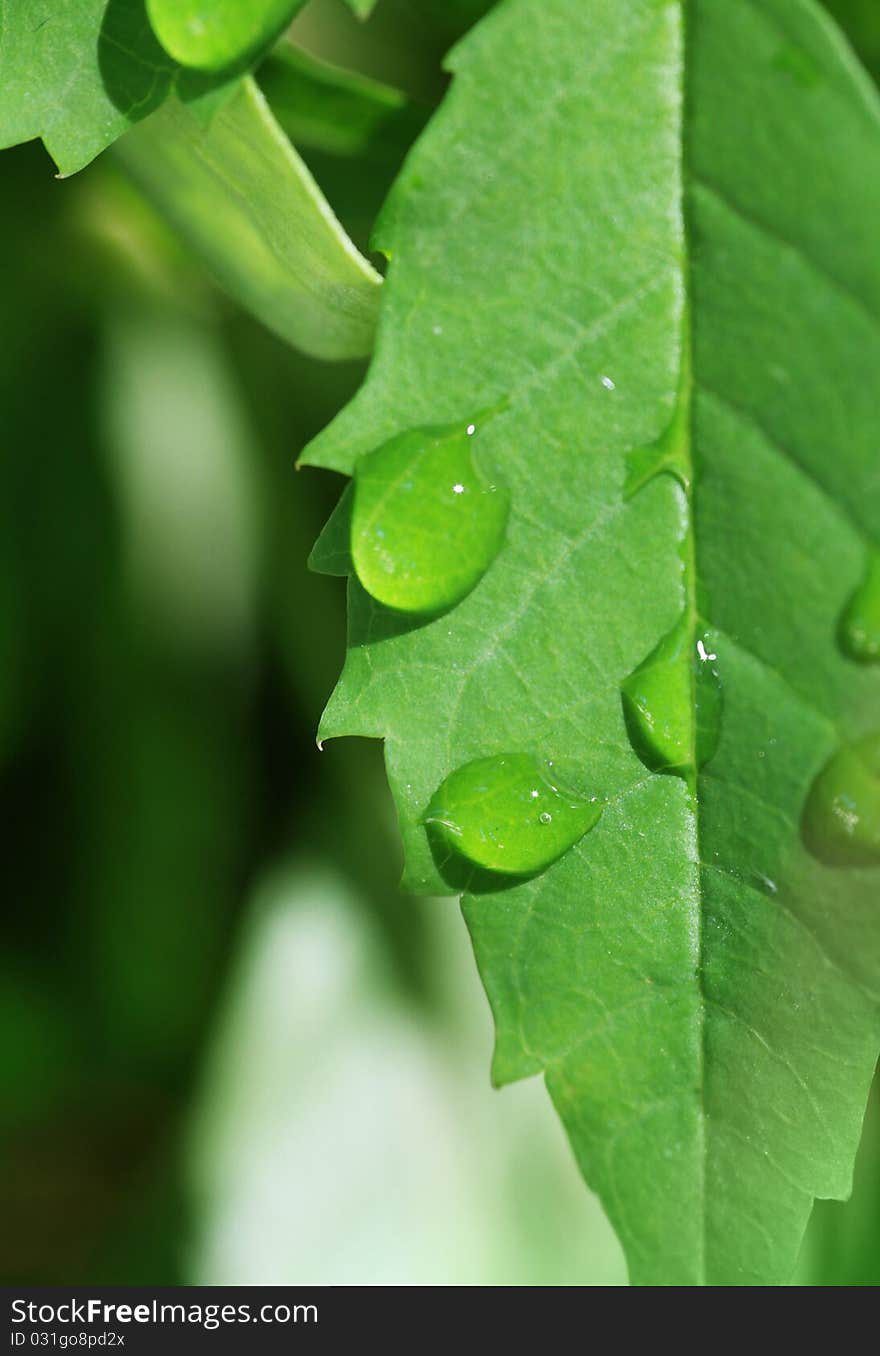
436 1181
239 194
451 17
40 1064
701 992
182 461
362 8
353 131
860 20
161 704
330 109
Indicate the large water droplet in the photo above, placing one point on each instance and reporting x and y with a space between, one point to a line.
426 525
841 821
505 814
860 624
672 703
211 37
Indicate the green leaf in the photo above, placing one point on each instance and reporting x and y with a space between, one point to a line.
362 8
212 35
340 112
354 132
657 242
77 74
860 20
240 195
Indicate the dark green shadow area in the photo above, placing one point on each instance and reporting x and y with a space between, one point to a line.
138 74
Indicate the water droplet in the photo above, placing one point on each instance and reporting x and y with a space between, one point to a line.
841 820
488 811
609 384
425 524
196 35
471 430
859 628
672 703
671 451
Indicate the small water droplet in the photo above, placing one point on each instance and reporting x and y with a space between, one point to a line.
204 41
471 430
669 452
608 384
672 704
859 628
425 525
487 811
841 820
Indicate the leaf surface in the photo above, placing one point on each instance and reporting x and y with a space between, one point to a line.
238 192
337 111
79 73
362 8
678 298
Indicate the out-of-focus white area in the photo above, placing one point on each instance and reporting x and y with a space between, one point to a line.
180 458
345 1136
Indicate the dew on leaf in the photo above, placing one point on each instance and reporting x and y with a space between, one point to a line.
859 628
841 819
505 814
669 452
210 35
672 703
425 523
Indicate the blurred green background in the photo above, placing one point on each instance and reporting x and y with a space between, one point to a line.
230 1051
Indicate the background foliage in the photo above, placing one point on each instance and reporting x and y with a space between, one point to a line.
200 908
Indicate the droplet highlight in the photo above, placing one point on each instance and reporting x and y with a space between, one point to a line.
672 703
425 523
859 629
505 814
841 819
